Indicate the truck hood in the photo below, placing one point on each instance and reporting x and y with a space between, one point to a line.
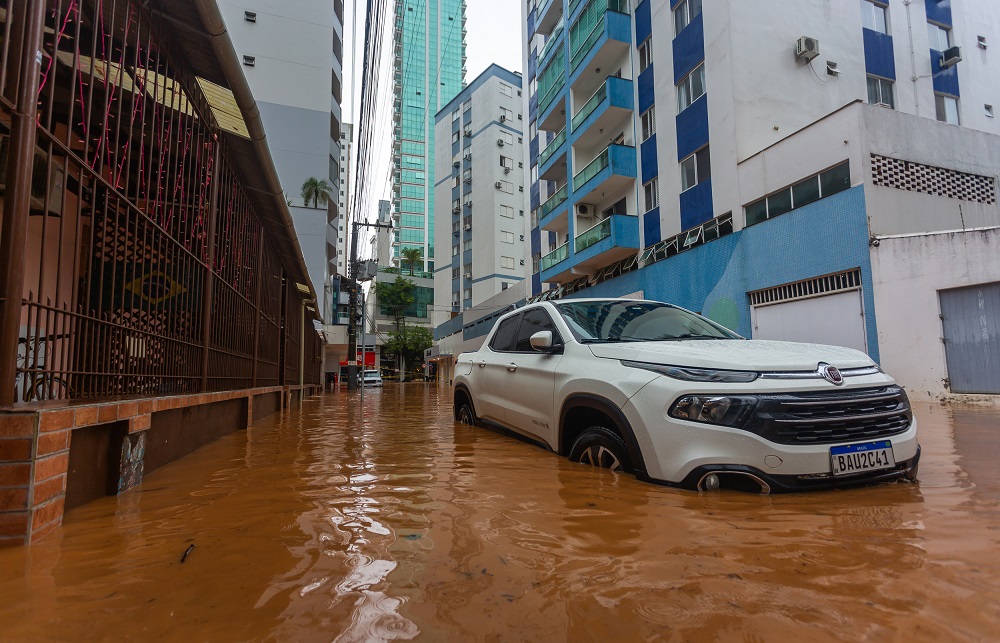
738 355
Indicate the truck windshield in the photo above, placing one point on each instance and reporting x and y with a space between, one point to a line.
637 321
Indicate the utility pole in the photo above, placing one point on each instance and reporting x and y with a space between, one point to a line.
352 324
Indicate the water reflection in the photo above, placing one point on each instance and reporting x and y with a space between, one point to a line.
390 522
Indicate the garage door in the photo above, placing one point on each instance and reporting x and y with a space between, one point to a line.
828 319
971 320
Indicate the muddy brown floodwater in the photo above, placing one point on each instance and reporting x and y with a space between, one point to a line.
390 522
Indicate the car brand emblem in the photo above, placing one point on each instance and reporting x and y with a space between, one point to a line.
831 374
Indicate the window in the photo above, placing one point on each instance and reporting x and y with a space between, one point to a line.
506 336
651 191
467 293
880 92
947 108
507 137
506 114
684 13
505 186
645 54
873 16
939 37
455 115
696 169
454 272
691 88
506 212
455 181
814 188
506 161
506 237
455 250
534 321
468 245
504 285
506 90
648 123
507 262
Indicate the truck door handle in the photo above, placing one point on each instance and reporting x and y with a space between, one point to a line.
482 363
512 367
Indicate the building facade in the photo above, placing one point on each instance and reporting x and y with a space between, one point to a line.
479 194
338 247
825 178
428 71
292 54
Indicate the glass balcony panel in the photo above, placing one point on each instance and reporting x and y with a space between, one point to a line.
551 148
554 257
554 201
591 105
600 231
589 172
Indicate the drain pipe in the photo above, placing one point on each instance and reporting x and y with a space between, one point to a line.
222 45
302 344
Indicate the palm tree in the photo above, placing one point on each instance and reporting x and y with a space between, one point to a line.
413 256
316 190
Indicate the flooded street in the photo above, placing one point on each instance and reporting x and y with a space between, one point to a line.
391 522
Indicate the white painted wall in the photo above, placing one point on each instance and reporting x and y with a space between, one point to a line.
907 273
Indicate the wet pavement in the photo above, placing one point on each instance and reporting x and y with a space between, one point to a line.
391 522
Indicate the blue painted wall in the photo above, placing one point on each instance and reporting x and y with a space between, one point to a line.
651 227
696 205
824 237
879 60
692 128
649 163
689 48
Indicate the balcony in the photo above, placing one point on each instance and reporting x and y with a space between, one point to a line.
556 256
608 110
553 202
613 170
552 43
555 152
548 17
611 240
605 43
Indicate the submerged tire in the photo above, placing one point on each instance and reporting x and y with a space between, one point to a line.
465 415
602 448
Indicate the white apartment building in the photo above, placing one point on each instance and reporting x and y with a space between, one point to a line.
794 169
292 54
479 195
340 225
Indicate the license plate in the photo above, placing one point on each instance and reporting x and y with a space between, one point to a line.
859 458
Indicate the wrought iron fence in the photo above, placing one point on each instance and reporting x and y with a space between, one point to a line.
147 268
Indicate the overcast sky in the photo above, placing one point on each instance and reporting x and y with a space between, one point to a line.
494 35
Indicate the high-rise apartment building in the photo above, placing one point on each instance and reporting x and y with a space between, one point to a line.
479 193
428 71
799 170
292 55
337 234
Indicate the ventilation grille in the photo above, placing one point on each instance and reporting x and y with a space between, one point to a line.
916 177
827 285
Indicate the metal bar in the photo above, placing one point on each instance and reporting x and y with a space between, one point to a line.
209 277
14 230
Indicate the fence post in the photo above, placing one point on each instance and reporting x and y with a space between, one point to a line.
206 305
256 324
14 232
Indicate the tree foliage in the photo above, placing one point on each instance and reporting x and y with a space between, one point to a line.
410 342
395 296
316 190
413 256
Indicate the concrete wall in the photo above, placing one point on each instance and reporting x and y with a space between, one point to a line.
907 273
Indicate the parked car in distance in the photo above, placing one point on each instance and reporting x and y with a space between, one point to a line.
371 378
649 388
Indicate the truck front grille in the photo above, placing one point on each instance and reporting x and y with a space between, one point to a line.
831 417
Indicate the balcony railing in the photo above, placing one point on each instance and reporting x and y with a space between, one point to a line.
591 105
600 231
552 40
554 257
579 44
551 148
602 161
554 201
553 91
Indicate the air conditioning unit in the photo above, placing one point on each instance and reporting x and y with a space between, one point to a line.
885 105
468 204
455 163
468 179
455 233
503 117
951 57
506 170
522 262
500 142
499 184
468 275
468 156
456 210
520 163
806 48
582 208
468 226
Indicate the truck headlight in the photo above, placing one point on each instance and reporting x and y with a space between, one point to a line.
724 410
695 374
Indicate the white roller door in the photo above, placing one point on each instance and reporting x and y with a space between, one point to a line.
836 319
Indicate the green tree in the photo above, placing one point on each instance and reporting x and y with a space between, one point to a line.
410 342
413 256
316 190
393 297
